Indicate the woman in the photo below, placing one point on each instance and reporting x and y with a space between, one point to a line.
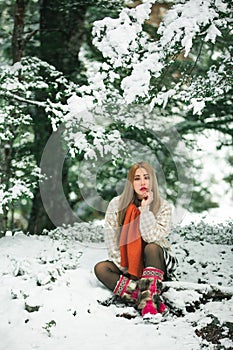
136 226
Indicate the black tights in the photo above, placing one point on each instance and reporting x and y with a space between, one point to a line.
108 273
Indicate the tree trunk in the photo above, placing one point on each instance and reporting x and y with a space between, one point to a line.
6 155
61 32
18 31
42 131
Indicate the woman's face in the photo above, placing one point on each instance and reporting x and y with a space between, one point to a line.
141 183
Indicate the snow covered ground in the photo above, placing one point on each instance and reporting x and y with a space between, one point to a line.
51 299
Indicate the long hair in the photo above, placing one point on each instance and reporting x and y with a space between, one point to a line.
129 196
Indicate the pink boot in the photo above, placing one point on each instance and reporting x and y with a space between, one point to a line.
150 285
127 289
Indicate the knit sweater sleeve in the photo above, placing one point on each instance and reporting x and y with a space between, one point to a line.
156 229
111 232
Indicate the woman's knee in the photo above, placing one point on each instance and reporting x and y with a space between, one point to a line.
103 267
99 268
153 249
153 256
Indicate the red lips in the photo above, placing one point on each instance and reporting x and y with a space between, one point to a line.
143 188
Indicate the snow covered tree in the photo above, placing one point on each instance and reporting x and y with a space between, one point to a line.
179 70
133 81
187 63
34 93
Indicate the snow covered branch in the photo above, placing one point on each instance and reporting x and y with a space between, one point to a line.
10 95
137 60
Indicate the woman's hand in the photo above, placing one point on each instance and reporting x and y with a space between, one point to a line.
147 198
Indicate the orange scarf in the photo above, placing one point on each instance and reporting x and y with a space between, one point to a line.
131 243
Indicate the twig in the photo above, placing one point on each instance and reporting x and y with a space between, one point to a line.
199 53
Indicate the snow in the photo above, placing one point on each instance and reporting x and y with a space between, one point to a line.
212 33
198 105
49 294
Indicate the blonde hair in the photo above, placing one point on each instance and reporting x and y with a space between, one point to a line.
129 196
